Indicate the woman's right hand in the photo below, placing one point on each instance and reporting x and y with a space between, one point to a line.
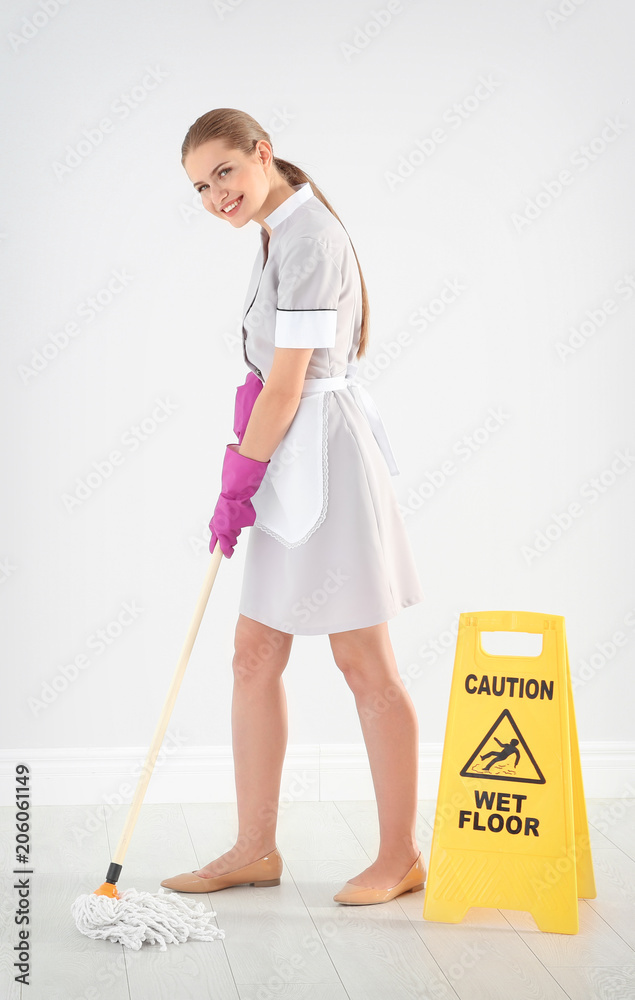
241 478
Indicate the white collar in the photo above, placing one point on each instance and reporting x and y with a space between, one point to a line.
302 193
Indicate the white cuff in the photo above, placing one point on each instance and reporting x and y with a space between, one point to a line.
305 327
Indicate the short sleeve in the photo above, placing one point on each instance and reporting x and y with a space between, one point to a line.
309 286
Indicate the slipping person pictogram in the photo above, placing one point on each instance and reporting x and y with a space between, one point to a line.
511 760
498 756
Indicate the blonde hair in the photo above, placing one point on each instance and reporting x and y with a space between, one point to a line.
240 131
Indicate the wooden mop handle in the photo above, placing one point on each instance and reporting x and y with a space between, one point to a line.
162 724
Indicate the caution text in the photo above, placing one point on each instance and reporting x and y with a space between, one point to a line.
514 687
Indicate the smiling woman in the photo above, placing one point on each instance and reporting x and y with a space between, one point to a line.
328 553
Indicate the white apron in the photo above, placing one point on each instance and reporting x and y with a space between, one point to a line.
292 500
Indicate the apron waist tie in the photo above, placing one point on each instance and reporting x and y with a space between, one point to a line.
365 402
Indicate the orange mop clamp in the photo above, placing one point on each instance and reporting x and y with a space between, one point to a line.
511 829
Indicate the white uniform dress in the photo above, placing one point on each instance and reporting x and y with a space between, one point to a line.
329 549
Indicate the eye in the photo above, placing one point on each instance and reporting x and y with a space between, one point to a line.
223 170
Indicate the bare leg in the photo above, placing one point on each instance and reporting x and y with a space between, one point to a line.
259 740
391 733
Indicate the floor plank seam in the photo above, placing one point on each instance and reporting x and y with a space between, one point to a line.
209 897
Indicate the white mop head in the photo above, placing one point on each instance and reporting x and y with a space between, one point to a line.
141 916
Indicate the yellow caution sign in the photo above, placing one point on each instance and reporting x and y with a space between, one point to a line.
511 828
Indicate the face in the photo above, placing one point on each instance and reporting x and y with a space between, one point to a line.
224 176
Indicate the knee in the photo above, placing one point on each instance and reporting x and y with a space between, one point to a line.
346 661
356 671
260 655
366 675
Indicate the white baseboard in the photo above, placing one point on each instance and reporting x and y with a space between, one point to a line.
317 772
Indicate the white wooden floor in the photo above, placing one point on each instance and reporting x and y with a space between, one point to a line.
293 941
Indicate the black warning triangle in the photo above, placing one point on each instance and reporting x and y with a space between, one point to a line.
515 759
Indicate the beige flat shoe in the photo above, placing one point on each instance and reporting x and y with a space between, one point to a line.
264 871
413 881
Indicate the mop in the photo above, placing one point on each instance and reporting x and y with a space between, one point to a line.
130 917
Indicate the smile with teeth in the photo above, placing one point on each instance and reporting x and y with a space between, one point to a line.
234 204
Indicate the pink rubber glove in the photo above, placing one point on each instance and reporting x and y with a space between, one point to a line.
246 396
234 510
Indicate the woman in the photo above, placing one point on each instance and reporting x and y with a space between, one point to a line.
328 553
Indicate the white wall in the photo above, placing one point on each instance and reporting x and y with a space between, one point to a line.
351 113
